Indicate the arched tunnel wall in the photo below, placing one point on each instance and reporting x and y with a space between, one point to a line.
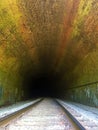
85 87
49 48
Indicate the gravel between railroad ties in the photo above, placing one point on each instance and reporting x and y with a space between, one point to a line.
86 113
47 115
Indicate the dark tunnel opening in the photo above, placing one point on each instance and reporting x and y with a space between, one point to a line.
43 85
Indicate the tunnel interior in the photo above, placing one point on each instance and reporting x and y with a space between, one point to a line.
49 48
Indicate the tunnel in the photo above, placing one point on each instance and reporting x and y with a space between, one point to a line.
49 48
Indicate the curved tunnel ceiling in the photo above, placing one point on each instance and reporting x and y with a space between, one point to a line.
47 38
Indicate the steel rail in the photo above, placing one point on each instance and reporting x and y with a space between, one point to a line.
17 113
78 124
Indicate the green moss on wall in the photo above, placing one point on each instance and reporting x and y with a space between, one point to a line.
87 95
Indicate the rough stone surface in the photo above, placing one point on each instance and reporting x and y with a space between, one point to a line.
48 37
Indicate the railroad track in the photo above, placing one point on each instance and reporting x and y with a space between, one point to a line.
80 126
9 117
47 114
81 115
